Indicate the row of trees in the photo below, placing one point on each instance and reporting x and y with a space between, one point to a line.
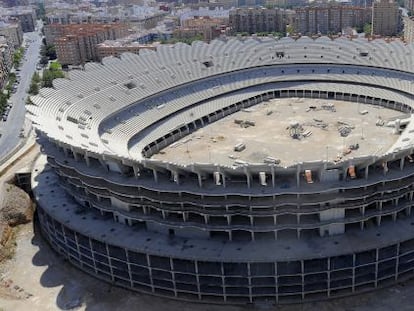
184 40
47 52
17 57
3 102
5 94
48 75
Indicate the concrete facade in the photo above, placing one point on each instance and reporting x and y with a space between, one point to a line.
255 20
330 19
13 31
385 18
409 29
245 233
76 44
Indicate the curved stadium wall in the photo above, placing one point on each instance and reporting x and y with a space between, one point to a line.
211 232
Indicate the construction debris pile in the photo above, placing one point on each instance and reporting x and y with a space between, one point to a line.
317 123
329 107
344 128
296 130
244 123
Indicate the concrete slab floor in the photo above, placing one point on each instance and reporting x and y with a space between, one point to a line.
320 122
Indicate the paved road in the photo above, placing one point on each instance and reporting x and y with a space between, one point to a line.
10 129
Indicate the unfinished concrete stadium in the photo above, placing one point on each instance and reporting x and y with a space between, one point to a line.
240 171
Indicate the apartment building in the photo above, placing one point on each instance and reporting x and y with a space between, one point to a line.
409 5
6 59
255 20
330 19
116 48
76 44
27 20
208 28
385 18
13 31
409 29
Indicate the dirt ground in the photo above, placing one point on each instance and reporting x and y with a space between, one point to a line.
39 280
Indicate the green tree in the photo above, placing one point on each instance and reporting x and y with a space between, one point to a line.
33 88
51 51
36 78
54 72
367 28
3 102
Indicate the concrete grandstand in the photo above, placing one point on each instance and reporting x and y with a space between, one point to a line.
185 172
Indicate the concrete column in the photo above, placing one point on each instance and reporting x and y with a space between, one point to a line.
298 169
247 176
155 173
376 266
198 279
136 171
378 220
200 181
272 168
402 161
173 276
88 163
103 164
366 172
176 177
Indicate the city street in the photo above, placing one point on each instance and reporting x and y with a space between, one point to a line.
10 130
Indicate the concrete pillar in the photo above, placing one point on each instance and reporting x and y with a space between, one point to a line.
136 171
247 176
402 160
103 164
155 173
378 220
272 168
88 163
298 169
176 177
200 181
366 171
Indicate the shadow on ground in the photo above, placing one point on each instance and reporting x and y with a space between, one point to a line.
80 289
83 292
